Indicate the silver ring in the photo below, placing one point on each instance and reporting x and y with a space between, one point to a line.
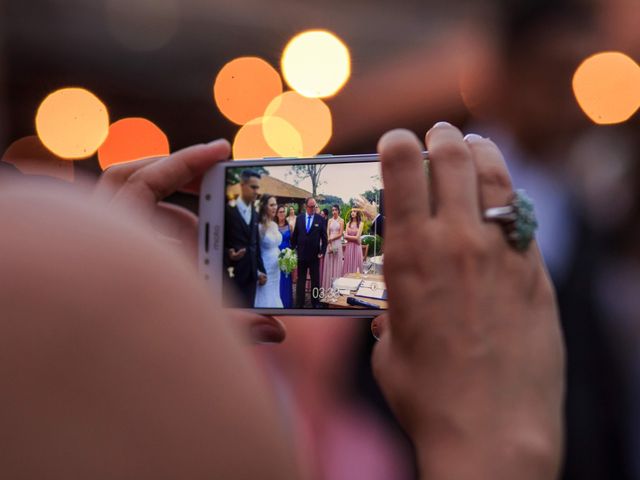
518 220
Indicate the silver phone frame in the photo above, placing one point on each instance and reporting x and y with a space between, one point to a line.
211 213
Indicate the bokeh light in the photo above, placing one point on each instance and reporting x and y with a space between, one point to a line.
244 87
72 123
310 119
132 139
30 156
282 137
607 87
143 25
251 143
316 63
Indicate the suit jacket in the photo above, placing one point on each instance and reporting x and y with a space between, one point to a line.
309 245
377 227
237 234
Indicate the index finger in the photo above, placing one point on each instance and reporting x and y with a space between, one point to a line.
163 177
403 172
114 176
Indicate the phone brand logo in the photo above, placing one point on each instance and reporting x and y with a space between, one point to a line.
216 237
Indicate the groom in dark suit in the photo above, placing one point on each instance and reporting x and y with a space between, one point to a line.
309 239
243 261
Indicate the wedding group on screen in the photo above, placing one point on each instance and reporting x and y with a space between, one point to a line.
257 231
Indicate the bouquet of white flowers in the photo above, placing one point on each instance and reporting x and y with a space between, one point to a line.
287 260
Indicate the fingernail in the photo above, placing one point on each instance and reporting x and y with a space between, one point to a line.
264 333
375 330
472 137
219 141
442 124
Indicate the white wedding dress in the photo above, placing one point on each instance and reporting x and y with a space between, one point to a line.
268 295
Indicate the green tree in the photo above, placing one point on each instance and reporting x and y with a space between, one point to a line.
372 195
332 199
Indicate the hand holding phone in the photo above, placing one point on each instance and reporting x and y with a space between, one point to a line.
471 317
246 211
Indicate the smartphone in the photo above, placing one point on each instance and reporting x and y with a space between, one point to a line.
269 244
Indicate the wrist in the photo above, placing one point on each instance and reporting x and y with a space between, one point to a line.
525 453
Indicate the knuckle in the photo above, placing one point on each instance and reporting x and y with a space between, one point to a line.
495 175
450 152
405 245
145 181
465 244
114 172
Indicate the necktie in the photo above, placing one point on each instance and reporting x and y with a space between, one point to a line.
308 223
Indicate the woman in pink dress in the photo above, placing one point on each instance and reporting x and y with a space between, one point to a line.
353 251
333 258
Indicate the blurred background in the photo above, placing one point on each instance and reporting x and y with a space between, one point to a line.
88 83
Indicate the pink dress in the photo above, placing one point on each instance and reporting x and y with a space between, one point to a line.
332 267
352 254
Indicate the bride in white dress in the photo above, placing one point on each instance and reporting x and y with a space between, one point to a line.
268 295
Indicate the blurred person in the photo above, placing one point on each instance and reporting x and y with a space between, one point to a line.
108 373
268 293
616 262
325 214
243 259
332 268
286 285
492 397
353 251
618 22
531 112
309 239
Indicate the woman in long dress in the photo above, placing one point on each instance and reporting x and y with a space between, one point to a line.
353 251
286 285
333 258
268 295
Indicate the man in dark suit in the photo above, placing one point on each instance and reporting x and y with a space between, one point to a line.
243 260
309 239
374 214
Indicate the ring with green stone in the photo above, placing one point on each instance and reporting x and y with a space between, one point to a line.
518 220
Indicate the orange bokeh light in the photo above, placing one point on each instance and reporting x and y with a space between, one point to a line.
310 117
132 139
244 87
31 157
250 142
607 87
72 123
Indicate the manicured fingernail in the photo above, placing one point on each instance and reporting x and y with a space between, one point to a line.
265 333
375 330
472 137
442 124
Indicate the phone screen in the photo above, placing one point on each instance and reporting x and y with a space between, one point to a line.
295 236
